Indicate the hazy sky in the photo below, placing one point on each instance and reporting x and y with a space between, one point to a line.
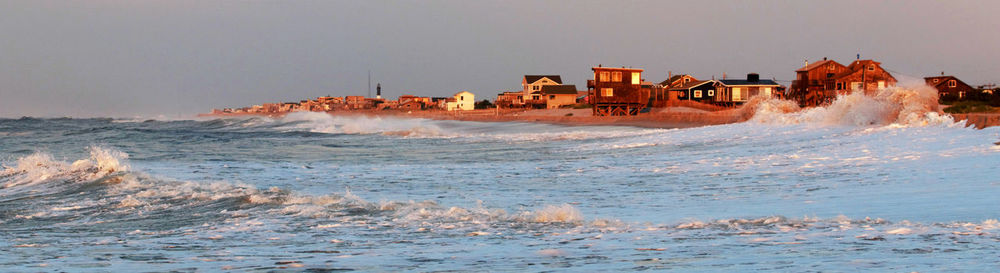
173 58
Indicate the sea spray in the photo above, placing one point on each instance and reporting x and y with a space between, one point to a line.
905 106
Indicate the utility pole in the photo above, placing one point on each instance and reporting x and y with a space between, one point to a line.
369 83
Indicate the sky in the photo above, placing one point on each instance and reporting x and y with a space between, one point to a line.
178 58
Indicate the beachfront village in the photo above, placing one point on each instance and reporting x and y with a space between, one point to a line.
625 91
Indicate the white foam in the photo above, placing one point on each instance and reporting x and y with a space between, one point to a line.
894 106
41 167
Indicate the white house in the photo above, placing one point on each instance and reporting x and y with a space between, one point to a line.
533 84
463 101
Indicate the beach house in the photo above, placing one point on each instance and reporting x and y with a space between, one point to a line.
556 96
949 86
617 91
822 81
700 91
461 101
735 92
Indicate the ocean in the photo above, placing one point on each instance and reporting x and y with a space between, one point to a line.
867 183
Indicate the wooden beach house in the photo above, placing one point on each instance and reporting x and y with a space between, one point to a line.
617 91
949 86
821 82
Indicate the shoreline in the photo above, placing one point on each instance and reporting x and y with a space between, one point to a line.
659 119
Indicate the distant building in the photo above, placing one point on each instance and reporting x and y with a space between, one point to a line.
695 91
532 94
461 101
949 86
822 81
556 96
734 92
617 91
534 83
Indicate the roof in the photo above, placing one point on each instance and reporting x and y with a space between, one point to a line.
616 68
858 65
746 82
535 78
559 89
815 65
943 80
675 78
693 84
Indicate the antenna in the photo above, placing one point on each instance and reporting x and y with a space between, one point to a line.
369 83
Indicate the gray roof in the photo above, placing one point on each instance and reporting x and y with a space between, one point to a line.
535 78
746 82
559 89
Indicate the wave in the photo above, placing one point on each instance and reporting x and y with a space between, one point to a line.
103 189
426 128
897 106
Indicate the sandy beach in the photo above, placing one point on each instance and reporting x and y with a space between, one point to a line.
669 117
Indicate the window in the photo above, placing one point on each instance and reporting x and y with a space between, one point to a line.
711 93
737 96
697 93
552 97
605 76
881 84
840 86
607 92
952 83
829 75
535 97
871 67
636 78
936 80
535 88
855 86
961 95
461 97
616 76
832 67
687 80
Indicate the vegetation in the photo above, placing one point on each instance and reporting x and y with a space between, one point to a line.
968 106
484 104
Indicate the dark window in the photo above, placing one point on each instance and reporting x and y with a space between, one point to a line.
829 75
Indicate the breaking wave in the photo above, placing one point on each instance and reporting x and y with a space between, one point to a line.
103 189
317 122
901 106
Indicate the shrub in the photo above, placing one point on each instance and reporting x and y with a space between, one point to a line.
963 107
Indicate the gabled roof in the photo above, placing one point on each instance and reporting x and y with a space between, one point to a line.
942 80
559 89
692 85
534 78
816 65
859 65
746 82
676 78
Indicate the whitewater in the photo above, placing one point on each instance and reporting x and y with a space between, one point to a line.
883 182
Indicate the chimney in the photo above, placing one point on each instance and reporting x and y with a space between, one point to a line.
824 58
753 77
723 75
378 90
